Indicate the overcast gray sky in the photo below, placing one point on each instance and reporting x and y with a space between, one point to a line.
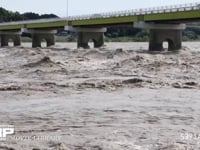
77 7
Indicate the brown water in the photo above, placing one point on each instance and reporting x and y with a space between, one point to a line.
125 99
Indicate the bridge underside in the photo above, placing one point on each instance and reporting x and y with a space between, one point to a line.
172 33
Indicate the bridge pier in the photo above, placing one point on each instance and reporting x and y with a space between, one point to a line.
158 36
37 39
5 36
87 34
85 37
38 35
159 33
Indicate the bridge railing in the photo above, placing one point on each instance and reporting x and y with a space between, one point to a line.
33 21
143 11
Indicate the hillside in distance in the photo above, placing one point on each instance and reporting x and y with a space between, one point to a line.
8 16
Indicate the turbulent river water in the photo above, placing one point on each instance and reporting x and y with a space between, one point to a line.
118 97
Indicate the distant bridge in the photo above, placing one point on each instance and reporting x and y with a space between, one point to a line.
165 24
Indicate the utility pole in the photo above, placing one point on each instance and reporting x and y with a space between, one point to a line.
67 11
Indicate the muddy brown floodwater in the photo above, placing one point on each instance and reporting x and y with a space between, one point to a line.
118 97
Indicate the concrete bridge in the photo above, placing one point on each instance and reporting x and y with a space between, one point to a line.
165 23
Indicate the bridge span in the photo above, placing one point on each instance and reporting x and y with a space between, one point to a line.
165 23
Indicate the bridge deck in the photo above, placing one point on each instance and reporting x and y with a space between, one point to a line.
178 13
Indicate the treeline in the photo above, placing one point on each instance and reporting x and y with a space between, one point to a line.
191 33
125 34
118 34
7 16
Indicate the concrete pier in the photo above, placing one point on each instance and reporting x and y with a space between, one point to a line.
37 39
38 35
5 36
158 36
87 34
85 37
159 33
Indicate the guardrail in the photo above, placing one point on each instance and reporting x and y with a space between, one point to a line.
142 11
33 21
